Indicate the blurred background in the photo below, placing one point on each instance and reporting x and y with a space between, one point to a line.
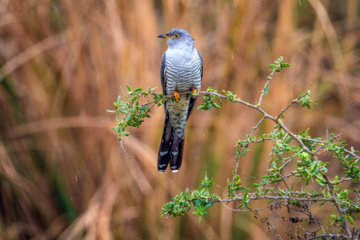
63 173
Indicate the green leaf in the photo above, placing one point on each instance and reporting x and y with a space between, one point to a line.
350 219
128 87
144 108
342 220
209 204
240 205
266 90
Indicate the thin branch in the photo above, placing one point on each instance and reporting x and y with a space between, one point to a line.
313 140
266 84
330 235
336 202
274 228
226 192
225 97
276 198
345 180
243 148
291 158
286 108
286 135
289 175
319 149
351 153
262 140
305 213
352 205
319 141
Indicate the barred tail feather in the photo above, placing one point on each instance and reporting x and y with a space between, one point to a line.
165 145
171 148
176 153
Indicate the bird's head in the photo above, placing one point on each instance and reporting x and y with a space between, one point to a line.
178 38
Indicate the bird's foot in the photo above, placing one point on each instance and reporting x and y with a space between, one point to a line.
176 95
195 93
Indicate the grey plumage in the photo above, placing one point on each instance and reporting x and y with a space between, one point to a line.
181 71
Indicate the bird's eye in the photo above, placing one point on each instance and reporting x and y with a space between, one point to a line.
176 35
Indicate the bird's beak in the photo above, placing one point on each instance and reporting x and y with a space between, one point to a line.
164 36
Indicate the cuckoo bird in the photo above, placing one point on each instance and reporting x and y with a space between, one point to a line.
181 70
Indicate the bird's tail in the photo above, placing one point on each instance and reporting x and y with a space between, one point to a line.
171 148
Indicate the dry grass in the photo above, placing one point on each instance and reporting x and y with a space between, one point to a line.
63 173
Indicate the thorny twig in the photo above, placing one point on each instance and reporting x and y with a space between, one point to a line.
293 136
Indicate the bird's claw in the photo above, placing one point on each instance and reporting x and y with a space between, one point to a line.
176 95
195 93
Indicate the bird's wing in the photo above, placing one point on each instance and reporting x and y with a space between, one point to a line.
201 60
193 100
162 72
162 76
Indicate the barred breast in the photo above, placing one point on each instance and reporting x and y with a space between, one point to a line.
183 75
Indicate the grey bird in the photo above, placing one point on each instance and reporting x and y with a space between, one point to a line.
181 70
